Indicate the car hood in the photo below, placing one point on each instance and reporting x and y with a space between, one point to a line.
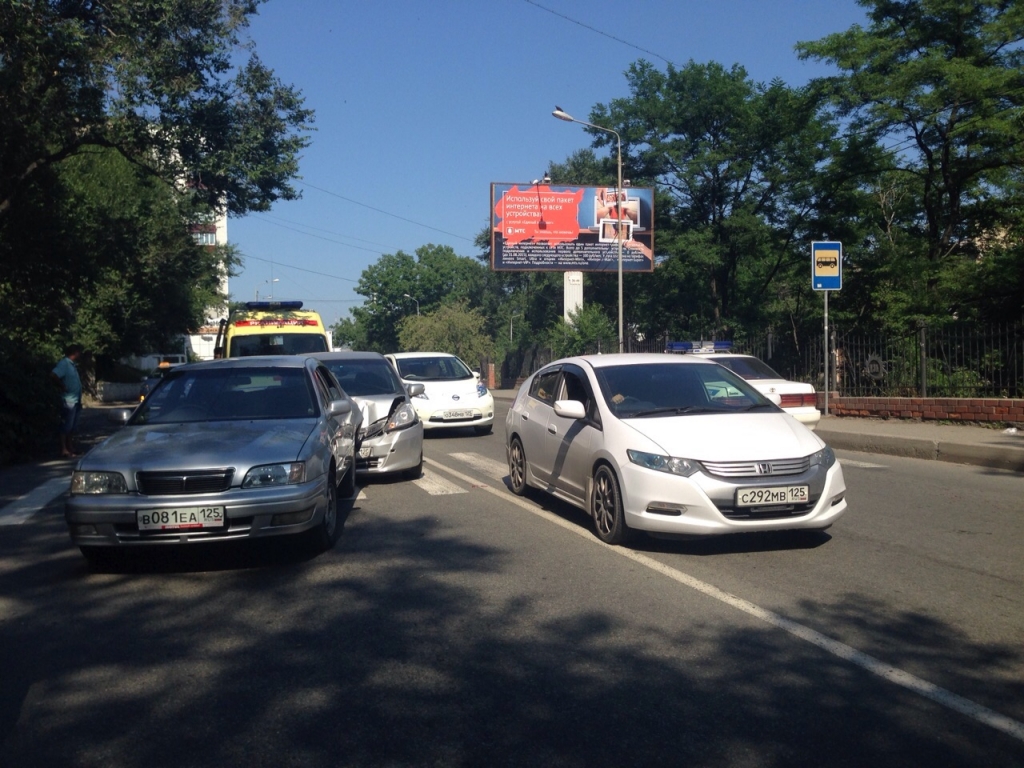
239 444
444 391
732 437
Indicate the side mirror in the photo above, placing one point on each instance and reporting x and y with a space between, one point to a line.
570 409
414 388
338 407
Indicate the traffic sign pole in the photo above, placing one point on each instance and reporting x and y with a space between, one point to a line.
826 275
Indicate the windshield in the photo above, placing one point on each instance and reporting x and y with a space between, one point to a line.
433 368
277 344
669 389
365 378
225 394
747 367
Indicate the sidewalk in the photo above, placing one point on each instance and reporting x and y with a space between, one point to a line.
955 443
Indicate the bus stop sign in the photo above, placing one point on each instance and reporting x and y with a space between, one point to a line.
826 266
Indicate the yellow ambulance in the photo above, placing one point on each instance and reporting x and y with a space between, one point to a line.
271 328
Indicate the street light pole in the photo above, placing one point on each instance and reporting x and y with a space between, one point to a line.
271 282
413 299
562 115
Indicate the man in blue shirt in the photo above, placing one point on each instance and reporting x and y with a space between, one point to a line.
65 373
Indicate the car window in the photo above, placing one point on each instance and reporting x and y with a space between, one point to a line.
278 344
363 378
575 386
747 367
229 394
652 389
545 385
433 368
331 383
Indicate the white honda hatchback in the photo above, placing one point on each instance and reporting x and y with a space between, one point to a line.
667 444
453 395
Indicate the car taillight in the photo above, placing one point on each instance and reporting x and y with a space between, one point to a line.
796 401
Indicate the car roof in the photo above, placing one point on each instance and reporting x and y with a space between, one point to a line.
605 361
406 355
252 361
347 355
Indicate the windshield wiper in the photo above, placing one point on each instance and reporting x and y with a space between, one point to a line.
677 410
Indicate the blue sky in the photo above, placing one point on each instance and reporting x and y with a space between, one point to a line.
420 106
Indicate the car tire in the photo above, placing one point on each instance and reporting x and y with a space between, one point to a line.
414 473
324 535
606 508
483 430
517 467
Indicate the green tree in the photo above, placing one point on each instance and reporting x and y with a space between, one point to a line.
740 167
452 328
589 331
399 285
941 84
157 82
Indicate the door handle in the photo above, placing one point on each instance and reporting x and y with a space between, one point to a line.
552 429
526 417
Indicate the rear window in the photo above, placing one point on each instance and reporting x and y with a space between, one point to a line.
747 367
365 378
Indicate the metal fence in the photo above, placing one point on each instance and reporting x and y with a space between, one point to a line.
955 361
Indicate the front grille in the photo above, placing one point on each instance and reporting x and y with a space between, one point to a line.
775 467
175 483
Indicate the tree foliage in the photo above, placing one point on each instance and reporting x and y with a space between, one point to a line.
452 328
940 84
156 82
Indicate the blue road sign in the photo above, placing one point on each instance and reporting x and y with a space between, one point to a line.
826 266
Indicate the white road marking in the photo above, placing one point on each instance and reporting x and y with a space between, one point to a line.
861 464
435 485
22 508
878 667
496 470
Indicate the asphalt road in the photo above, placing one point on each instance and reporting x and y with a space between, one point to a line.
455 624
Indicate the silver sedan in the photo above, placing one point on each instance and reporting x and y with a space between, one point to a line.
391 438
229 449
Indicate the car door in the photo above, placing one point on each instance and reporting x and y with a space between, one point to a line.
535 413
339 428
573 439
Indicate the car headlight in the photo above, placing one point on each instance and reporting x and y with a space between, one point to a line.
98 482
275 474
826 457
670 464
403 418
481 389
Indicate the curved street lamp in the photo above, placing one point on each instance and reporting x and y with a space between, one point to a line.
411 298
563 115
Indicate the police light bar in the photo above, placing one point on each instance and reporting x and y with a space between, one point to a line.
698 346
273 305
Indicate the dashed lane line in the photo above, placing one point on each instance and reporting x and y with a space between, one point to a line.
865 661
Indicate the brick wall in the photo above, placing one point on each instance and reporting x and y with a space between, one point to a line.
927 408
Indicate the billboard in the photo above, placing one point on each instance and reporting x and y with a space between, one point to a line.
562 228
